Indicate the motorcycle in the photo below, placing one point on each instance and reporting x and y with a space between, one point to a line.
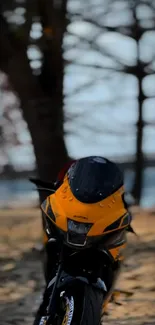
81 269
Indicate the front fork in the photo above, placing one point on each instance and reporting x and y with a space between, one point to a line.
52 300
61 279
50 296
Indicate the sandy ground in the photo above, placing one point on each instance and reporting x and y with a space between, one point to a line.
21 279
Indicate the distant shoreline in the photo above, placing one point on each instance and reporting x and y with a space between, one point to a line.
128 164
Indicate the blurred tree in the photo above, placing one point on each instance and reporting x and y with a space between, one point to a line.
115 42
109 46
144 22
40 90
137 31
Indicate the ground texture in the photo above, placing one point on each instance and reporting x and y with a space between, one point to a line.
21 279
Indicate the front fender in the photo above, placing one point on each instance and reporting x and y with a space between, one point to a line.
66 279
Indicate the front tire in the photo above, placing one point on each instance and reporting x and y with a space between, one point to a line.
92 306
88 304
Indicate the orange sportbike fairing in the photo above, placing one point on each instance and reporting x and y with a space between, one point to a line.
64 205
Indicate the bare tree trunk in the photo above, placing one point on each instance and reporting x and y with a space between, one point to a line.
139 165
139 73
42 110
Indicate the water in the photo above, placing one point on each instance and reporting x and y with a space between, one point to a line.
21 193
17 193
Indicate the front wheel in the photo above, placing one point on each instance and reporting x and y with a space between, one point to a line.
92 306
79 305
85 307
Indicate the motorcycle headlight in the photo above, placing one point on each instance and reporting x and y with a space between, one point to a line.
77 232
79 227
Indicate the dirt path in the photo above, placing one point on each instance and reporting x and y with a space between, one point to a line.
21 279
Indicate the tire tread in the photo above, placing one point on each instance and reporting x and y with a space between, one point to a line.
92 306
